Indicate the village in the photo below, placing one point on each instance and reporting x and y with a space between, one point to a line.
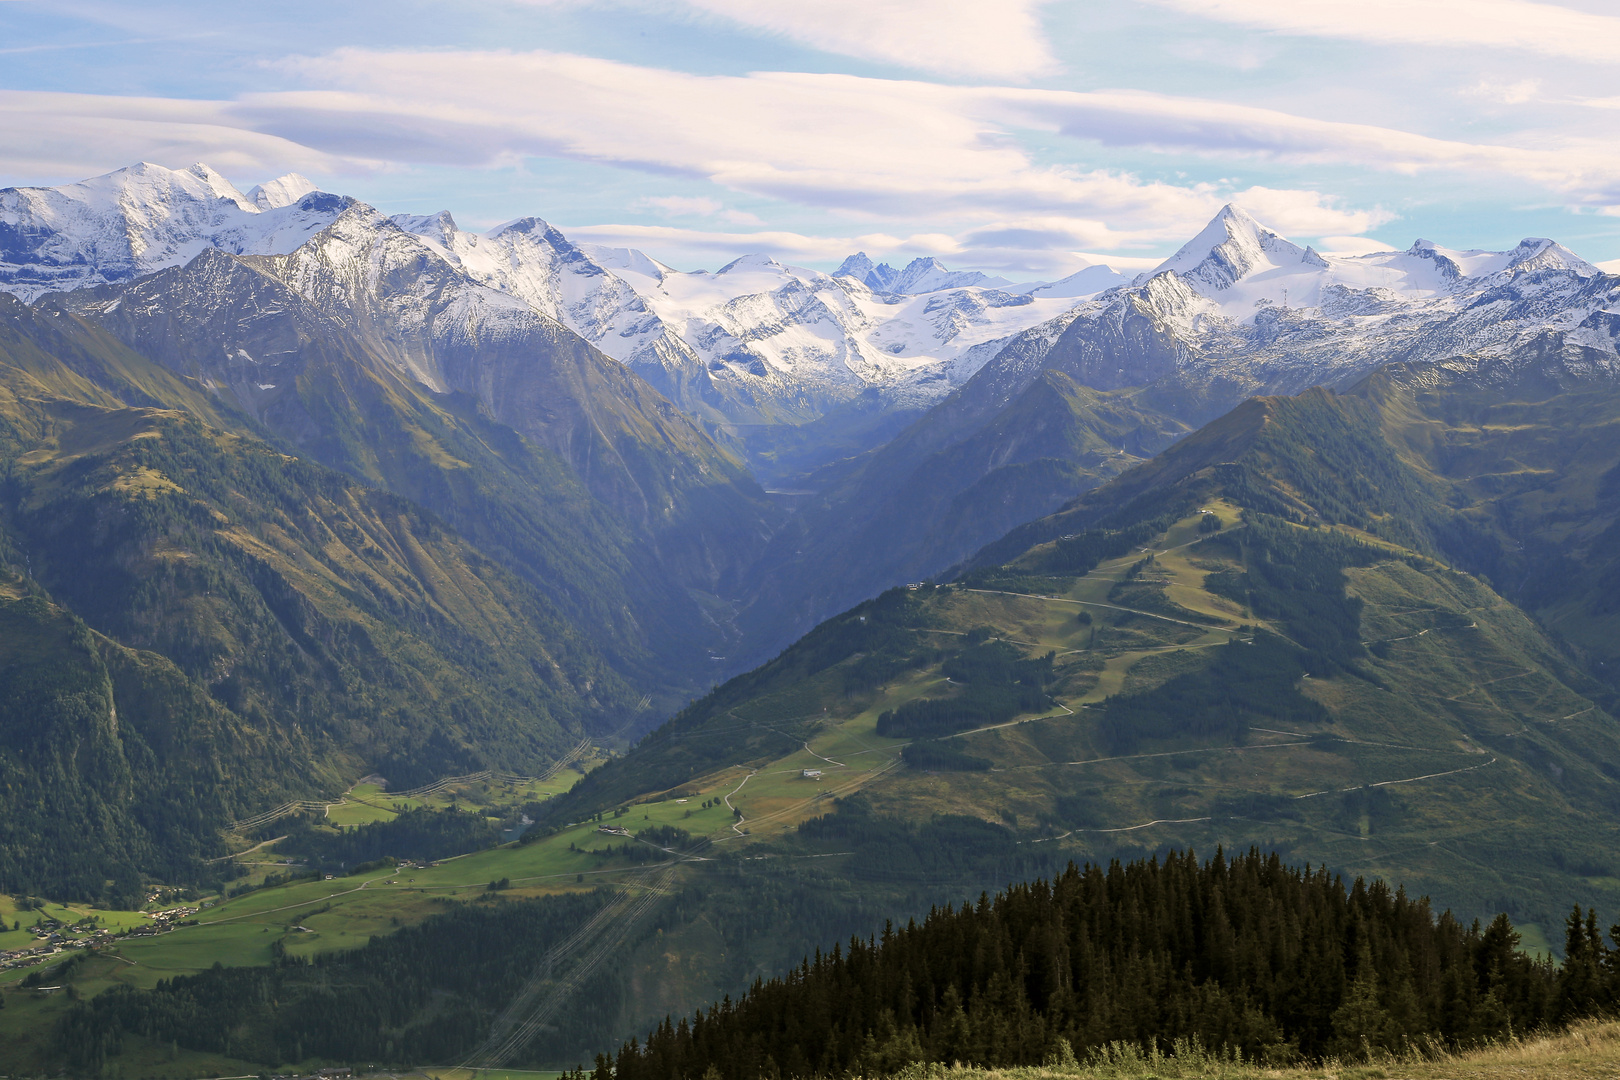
54 937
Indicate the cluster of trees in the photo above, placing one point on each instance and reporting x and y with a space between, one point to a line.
1292 576
997 682
1278 962
934 756
419 834
111 765
955 854
1247 681
1296 577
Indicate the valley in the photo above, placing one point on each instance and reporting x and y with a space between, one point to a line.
1359 782
403 610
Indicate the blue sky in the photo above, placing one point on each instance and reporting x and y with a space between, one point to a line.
1025 137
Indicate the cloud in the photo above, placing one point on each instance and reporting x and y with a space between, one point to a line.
1306 213
1610 267
1518 25
1586 172
686 206
877 146
865 146
951 37
937 158
1001 40
682 206
1505 93
69 136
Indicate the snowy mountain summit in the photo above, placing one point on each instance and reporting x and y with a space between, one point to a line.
1239 265
1234 247
919 276
135 221
762 342
1241 310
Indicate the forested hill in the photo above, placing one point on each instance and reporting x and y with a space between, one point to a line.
1274 961
195 626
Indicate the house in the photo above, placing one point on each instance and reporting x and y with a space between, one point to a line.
811 774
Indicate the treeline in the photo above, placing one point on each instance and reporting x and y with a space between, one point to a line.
1247 681
997 681
933 756
419 834
1278 962
1293 577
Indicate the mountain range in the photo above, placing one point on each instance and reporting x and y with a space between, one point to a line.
951 577
590 428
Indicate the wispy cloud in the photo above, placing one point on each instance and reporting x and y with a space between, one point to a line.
698 206
876 146
1514 25
69 136
944 165
891 148
998 39
991 248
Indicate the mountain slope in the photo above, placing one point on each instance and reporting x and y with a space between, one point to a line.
1256 638
324 394
1266 636
317 626
910 509
116 766
635 451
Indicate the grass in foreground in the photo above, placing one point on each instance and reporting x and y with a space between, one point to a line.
1586 1049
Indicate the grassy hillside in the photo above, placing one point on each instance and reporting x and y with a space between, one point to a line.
1314 675
1530 472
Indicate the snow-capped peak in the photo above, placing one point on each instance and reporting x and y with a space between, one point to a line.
1231 247
1086 282
152 188
921 275
929 275
1538 253
1532 255
747 263
879 277
139 219
218 185
282 191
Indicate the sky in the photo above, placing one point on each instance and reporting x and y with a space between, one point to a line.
1028 138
